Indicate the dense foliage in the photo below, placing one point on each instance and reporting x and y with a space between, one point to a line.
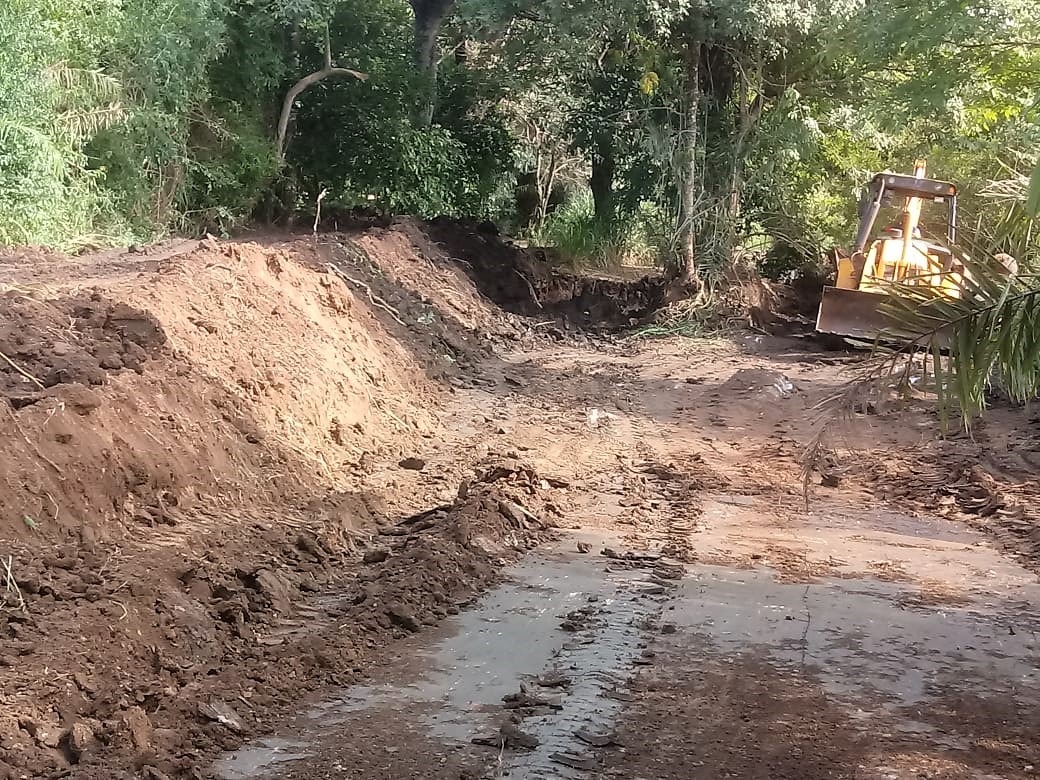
684 131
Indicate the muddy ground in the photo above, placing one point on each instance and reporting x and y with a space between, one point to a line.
402 503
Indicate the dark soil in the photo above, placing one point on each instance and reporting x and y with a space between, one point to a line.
524 282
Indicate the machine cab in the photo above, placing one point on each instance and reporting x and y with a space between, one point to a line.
901 253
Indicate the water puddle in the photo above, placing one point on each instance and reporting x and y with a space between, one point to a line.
256 758
513 634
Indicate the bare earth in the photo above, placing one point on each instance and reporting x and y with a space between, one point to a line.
285 522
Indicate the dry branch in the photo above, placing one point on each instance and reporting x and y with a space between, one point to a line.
22 371
375 299
308 81
11 584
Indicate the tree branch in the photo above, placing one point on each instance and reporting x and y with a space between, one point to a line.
1013 44
307 81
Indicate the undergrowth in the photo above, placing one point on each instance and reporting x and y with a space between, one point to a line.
584 241
706 317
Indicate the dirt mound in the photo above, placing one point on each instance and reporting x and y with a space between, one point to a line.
221 649
191 439
192 379
429 306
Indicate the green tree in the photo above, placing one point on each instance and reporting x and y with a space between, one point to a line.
54 97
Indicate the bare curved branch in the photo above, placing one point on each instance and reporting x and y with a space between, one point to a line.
330 70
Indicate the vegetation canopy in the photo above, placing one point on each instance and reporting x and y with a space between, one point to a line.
698 135
660 131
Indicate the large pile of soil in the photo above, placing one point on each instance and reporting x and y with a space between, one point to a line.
227 371
184 434
187 434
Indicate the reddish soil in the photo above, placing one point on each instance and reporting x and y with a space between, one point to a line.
988 480
189 442
234 473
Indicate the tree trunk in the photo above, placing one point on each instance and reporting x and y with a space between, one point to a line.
751 104
688 190
735 196
545 183
429 16
601 182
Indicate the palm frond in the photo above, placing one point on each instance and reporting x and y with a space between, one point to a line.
989 332
82 125
87 101
92 83
1032 200
953 349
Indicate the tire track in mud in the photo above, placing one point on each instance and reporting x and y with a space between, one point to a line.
660 500
608 643
536 671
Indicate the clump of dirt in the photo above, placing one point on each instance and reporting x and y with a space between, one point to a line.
70 339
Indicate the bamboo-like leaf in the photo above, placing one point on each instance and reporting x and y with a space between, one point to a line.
51 157
1032 202
83 125
95 84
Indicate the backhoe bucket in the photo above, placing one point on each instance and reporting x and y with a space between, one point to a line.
856 315
851 313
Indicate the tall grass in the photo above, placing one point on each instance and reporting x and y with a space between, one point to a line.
583 241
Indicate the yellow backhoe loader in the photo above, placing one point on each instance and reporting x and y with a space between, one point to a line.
851 307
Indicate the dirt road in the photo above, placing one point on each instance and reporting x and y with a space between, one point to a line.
386 505
714 628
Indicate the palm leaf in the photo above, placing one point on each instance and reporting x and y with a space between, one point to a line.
96 85
87 102
82 125
989 333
